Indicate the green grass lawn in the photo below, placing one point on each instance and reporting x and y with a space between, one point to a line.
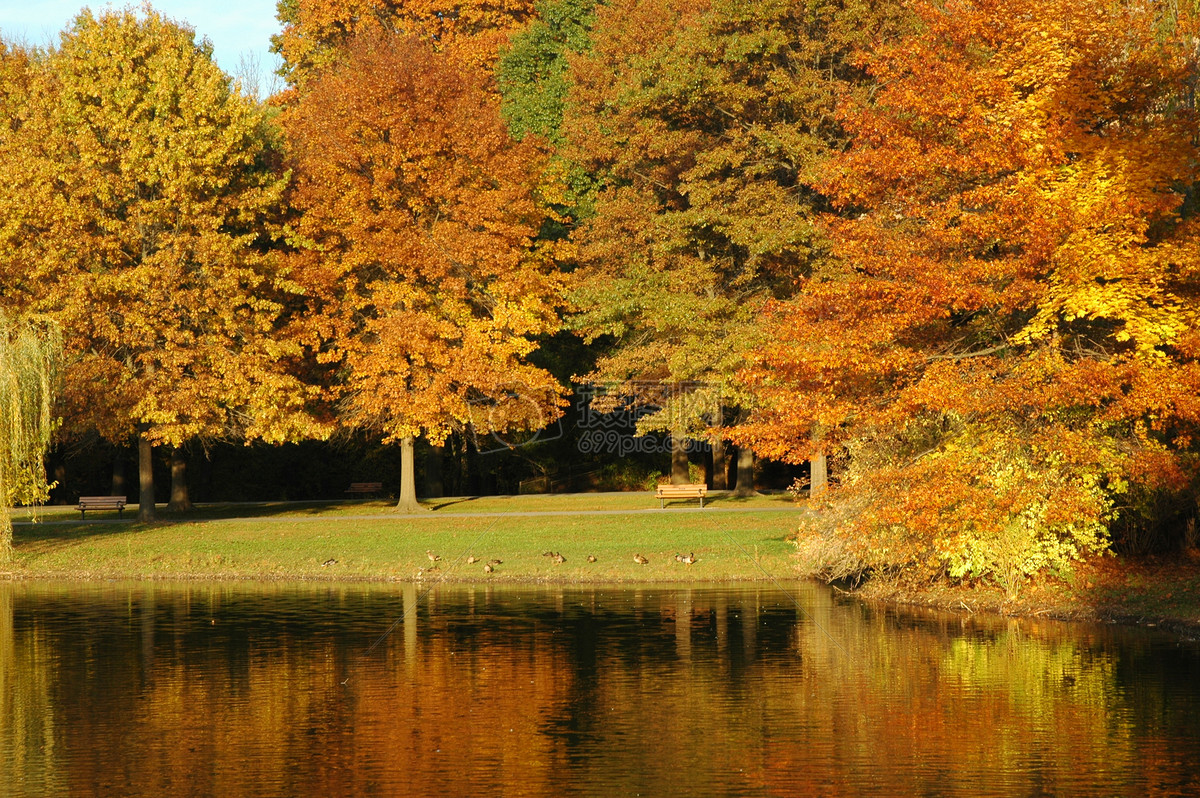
369 541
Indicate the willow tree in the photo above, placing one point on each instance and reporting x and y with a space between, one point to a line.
29 366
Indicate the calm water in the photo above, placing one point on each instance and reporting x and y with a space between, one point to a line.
310 690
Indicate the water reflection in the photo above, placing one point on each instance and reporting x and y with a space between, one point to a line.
385 690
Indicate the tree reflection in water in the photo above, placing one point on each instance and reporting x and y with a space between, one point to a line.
538 690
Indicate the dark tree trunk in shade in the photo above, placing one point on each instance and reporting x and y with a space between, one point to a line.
145 478
679 460
720 465
745 471
180 501
408 478
119 488
434 489
471 464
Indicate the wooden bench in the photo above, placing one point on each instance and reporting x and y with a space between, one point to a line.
364 487
666 492
100 503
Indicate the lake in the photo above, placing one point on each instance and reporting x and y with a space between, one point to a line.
355 690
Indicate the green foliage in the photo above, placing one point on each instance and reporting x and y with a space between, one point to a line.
532 70
703 127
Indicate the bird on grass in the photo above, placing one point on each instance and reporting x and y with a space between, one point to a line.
591 558
558 558
495 562
678 557
487 568
432 557
472 559
639 559
329 562
688 559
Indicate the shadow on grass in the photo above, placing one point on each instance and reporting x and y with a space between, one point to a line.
54 525
451 502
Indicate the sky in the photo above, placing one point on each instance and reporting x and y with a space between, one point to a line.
236 28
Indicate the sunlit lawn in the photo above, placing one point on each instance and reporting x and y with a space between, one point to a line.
369 541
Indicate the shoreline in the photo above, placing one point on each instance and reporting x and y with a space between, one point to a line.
601 537
1107 589
953 600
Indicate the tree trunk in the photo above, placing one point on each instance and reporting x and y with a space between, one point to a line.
818 475
408 478
119 488
434 489
720 469
6 535
679 460
180 501
818 469
145 478
745 471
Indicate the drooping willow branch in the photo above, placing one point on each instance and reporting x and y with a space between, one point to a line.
30 361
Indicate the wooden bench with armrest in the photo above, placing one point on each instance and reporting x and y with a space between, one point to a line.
101 503
363 488
666 492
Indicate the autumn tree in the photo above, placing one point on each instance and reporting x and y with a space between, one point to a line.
315 30
140 188
415 247
704 124
1007 340
30 358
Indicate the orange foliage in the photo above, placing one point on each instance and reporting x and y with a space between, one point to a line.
1012 316
416 244
313 30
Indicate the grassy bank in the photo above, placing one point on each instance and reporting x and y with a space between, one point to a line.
733 539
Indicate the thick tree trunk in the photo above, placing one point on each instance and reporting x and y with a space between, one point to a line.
679 460
818 475
434 489
720 467
745 471
818 469
180 501
145 478
408 478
